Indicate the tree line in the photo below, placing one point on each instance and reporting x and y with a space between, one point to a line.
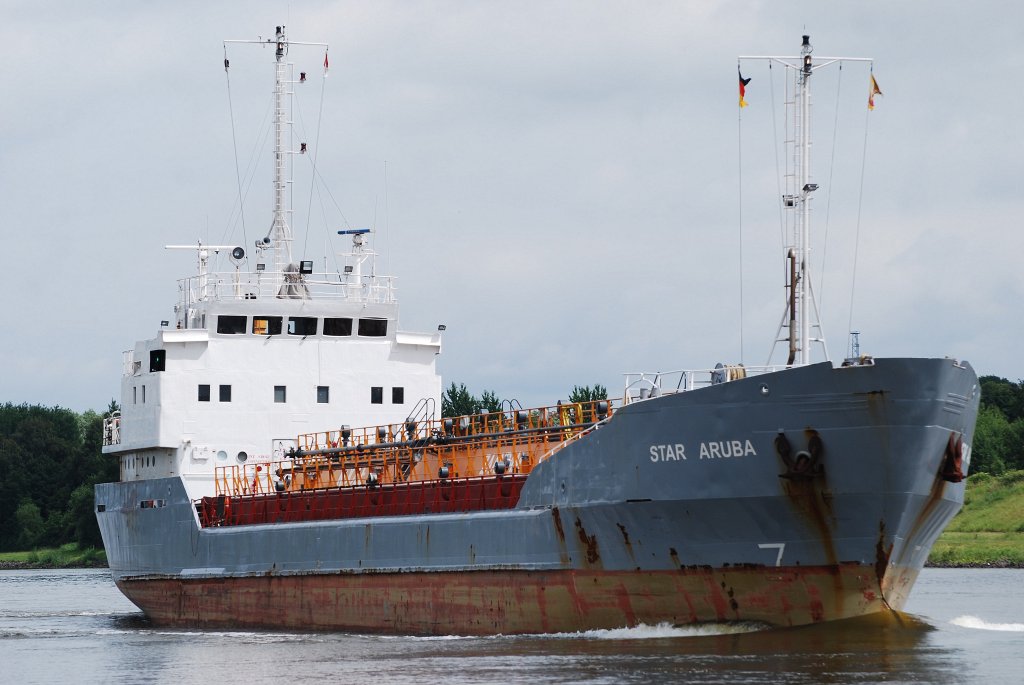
457 400
50 458
999 436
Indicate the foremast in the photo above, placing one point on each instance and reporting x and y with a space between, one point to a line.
801 322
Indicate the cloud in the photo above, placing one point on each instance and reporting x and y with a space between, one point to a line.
562 183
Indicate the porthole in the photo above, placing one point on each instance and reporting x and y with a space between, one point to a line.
241 457
222 455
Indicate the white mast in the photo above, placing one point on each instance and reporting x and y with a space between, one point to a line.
279 238
801 317
282 232
802 354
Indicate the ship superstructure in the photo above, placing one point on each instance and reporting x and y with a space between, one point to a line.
266 350
783 495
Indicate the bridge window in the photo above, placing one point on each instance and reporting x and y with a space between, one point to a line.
204 393
373 327
397 395
231 325
302 325
225 393
280 394
377 395
337 327
266 325
157 360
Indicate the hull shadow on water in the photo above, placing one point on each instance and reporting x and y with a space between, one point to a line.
892 647
884 647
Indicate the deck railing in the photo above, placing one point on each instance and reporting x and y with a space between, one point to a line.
644 385
254 285
498 443
112 429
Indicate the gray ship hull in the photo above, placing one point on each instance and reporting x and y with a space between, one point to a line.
682 508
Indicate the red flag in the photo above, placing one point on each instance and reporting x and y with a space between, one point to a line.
743 86
326 64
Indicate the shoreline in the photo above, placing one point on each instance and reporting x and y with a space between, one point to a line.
997 563
39 566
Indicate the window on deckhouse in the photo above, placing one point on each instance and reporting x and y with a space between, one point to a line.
373 327
302 325
266 325
231 325
337 327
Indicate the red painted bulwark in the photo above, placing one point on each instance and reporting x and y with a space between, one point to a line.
490 602
390 499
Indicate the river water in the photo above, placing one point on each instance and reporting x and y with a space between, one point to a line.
73 626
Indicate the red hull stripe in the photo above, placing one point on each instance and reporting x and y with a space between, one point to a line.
508 602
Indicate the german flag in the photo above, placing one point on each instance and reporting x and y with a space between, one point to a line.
743 86
872 92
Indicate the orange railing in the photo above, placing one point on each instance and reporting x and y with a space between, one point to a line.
463 447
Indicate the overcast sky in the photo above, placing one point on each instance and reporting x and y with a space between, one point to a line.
563 184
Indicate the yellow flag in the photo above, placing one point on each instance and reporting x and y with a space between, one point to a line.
872 92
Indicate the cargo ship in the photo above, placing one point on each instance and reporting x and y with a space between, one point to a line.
284 464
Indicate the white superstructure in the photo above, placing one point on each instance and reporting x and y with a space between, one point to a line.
255 356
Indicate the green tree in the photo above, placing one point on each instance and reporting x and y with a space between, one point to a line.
1006 396
489 401
993 440
14 483
82 520
458 401
1015 453
586 393
111 408
30 524
47 456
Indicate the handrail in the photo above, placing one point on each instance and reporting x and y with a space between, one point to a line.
642 385
459 447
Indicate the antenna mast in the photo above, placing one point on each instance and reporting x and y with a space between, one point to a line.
801 317
281 231
279 238
801 251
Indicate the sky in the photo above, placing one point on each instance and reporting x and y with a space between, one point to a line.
569 187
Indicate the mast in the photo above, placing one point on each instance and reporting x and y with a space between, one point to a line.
281 231
802 355
801 324
279 238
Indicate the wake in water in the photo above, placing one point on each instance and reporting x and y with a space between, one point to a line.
664 630
981 624
640 632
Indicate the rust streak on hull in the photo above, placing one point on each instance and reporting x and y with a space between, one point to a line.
488 602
